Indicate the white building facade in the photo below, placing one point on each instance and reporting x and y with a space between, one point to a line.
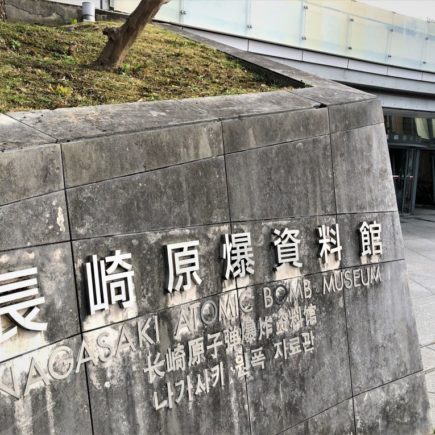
385 53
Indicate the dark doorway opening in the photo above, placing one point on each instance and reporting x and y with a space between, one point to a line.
404 164
411 141
414 178
425 195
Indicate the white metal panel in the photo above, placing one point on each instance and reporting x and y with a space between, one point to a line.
232 41
394 101
428 77
373 68
275 50
405 73
325 59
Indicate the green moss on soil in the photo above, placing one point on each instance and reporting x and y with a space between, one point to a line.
44 67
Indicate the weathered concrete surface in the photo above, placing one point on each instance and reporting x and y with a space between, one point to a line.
392 247
44 405
302 385
334 96
119 394
256 131
15 134
82 122
56 285
144 175
150 271
396 408
359 114
265 258
181 196
89 161
34 221
383 339
109 119
364 172
35 171
236 106
41 11
50 12
335 421
263 182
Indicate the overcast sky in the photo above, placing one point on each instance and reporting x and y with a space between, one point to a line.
414 8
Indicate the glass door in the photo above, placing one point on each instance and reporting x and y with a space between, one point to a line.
404 163
433 177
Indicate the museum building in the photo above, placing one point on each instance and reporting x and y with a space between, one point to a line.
372 49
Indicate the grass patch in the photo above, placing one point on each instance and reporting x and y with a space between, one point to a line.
44 67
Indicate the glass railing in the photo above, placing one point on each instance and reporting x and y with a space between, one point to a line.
340 27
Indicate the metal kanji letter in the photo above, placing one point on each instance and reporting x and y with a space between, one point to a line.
19 300
329 241
265 326
183 265
155 370
287 247
310 315
176 358
115 280
196 351
249 330
238 255
370 237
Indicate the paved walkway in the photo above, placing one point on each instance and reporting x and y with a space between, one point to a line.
419 236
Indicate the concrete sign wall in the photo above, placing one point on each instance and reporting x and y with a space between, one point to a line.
228 265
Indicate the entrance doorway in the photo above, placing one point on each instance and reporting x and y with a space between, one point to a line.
411 141
414 178
404 164
425 195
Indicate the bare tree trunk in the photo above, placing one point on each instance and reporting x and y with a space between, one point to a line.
122 38
2 10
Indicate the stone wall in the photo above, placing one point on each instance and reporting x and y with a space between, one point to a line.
320 345
49 12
